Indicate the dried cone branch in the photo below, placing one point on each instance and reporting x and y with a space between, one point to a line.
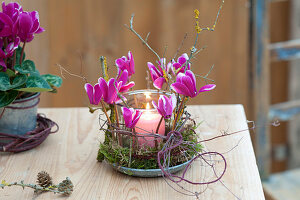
44 179
66 186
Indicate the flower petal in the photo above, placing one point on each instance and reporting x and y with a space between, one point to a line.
174 101
112 92
192 76
123 76
187 81
180 89
97 94
158 83
136 118
207 88
103 87
126 87
40 30
25 22
120 63
35 19
127 115
131 63
89 90
6 19
183 58
168 107
179 77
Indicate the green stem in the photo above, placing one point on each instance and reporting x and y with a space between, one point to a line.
107 133
135 139
157 129
112 119
118 125
159 124
178 112
22 53
130 151
105 112
14 59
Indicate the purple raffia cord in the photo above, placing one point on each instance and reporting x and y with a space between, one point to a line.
31 139
173 140
171 135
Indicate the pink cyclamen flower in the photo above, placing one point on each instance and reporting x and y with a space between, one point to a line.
123 78
6 25
131 116
27 25
165 105
157 74
186 85
10 48
110 90
94 93
126 63
12 10
181 64
8 17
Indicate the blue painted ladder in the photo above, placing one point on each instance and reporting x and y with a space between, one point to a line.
262 53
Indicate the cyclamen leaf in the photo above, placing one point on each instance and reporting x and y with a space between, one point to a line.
27 67
34 89
4 82
8 97
53 80
35 73
19 80
10 73
37 81
36 84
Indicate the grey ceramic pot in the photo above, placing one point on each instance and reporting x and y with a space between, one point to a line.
19 117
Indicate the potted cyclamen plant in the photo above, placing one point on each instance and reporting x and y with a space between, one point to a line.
20 80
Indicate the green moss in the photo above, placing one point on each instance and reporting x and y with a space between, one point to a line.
147 158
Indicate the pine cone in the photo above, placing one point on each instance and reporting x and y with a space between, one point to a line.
66 186
44 179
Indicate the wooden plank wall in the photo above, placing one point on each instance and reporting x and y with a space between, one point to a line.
95 27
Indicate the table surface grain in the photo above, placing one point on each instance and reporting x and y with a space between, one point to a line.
72 152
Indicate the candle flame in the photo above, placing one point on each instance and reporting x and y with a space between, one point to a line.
147 94
147 106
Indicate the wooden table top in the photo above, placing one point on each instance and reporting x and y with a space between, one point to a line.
72 152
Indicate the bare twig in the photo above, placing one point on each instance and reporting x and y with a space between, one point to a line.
104 67
180 46
199 30
140 37
62 69
37 188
